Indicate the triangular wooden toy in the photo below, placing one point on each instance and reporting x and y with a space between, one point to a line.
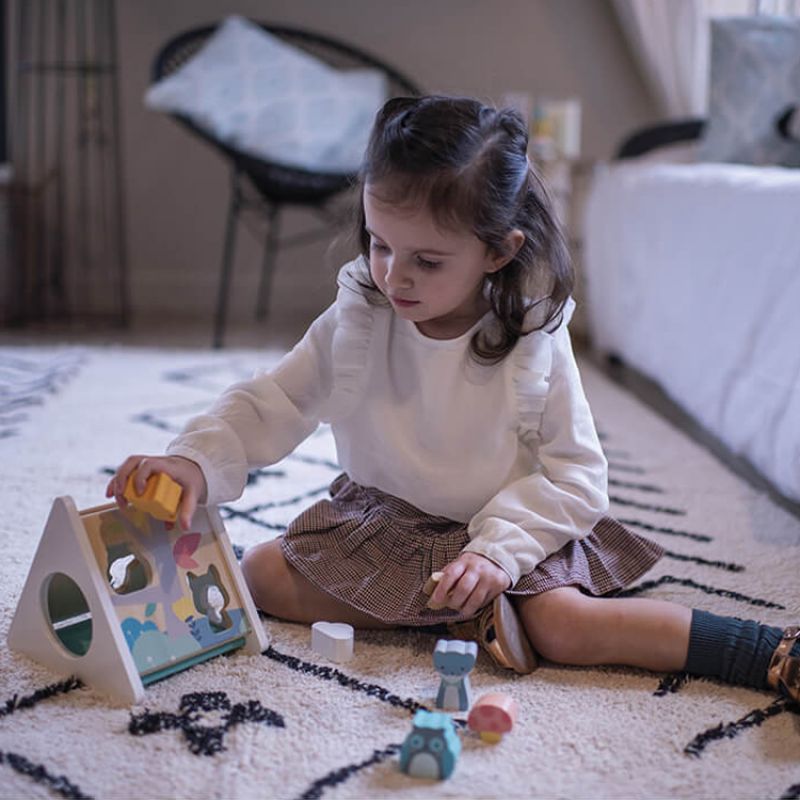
120 601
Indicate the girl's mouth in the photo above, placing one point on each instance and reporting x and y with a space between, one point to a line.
404 303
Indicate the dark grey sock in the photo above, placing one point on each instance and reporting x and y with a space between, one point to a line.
737 651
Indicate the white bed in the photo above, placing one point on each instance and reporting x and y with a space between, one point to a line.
693 278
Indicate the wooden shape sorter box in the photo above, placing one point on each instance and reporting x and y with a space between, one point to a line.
120 600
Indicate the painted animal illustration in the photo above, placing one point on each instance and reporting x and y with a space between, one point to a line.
432 748
454 659
126 573
209 597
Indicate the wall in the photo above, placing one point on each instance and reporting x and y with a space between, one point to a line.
177 187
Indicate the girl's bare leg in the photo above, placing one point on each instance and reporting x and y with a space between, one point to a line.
569 627
280 590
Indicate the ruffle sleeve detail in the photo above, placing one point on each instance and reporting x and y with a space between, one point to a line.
532 363
351 344
533 359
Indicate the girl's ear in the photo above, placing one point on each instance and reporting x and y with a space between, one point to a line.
510 248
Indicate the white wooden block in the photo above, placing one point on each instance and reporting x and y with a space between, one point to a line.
332 640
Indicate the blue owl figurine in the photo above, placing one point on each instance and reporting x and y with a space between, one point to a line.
454 660
432 748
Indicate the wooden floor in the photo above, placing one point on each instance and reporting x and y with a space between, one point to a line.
279 330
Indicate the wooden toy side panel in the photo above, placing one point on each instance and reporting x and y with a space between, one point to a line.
189 607
64 550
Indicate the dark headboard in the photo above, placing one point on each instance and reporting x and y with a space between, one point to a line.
651 138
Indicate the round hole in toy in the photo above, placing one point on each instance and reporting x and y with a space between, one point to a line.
68 613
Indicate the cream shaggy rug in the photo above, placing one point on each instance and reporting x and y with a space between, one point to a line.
287 724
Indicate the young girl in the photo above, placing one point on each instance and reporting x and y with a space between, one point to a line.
446 372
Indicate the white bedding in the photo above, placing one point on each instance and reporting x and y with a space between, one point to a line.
693 278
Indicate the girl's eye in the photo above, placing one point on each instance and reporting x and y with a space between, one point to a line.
426 263
378 247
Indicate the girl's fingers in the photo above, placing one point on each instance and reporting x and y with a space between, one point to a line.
484 593
187 508
450 575
468 584
120 479
183 471
116 486
145 468
461 592
475 602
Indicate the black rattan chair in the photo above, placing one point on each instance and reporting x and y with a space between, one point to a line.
275 185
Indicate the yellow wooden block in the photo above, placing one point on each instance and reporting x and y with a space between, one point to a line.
160 499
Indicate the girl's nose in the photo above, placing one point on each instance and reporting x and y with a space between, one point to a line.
397 277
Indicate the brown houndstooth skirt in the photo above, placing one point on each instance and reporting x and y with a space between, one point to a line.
375 552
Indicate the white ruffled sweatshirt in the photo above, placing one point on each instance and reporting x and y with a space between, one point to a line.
510 449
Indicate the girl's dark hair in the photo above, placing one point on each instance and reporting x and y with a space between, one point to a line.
467 163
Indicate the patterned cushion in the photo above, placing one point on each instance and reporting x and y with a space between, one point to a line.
264 97
755 76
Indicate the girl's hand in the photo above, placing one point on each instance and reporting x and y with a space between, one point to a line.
182 470
469 583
